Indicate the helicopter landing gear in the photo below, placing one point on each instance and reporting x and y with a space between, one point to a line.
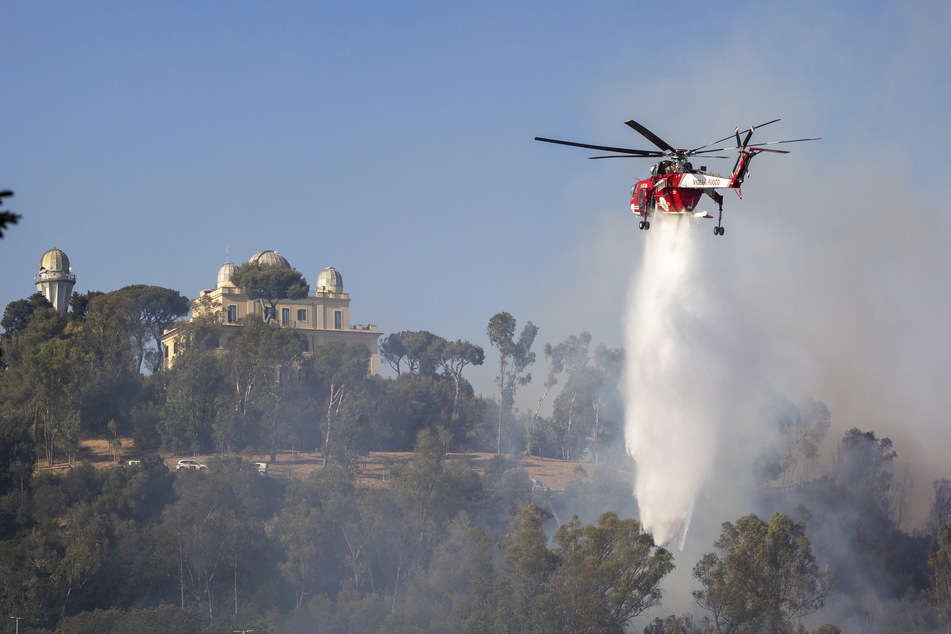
644 225
718 231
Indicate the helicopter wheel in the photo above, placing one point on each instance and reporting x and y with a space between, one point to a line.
718 231
647 224
640 225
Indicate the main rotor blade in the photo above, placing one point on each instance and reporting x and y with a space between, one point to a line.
789 141
605 148
655 155
737 133
650 136
740 147
748 135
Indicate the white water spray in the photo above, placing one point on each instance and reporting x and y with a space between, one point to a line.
686 377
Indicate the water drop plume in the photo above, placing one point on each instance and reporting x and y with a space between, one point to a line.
682 397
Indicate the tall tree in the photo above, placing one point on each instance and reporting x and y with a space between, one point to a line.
191 403
863 469
339 367
940 512
608 573
763 576
156 308
454 356
802 429
573 416
393 351
270 284
263 362
608 366
515 356
939 591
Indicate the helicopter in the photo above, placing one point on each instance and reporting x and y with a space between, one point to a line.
674 186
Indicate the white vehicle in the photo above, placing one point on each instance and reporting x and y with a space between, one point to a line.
261 467
189 464
133 463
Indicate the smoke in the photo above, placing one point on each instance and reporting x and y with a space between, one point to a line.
693 398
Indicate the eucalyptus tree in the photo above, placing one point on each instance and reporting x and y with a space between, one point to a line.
515 356
264 362
608 574
340 369
762 577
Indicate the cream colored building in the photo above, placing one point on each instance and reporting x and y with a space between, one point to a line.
322 317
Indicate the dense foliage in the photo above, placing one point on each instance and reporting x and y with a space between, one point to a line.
442 546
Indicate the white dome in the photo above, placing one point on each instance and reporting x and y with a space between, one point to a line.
272 258
224 274
331 280
54 260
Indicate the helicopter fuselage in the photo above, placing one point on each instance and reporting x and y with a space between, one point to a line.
676 191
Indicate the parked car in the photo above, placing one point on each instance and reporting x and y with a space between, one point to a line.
133 463
189 464
261 467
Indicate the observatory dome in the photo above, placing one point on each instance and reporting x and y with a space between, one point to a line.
272 258
54 260
330 280
224 274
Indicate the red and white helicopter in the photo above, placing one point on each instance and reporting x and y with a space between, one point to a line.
674 186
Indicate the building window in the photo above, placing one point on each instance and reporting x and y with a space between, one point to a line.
285 316
301 314
232 314
306 345
338 319
268 313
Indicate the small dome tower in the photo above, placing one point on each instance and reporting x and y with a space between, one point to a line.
224 274
330 281
55 279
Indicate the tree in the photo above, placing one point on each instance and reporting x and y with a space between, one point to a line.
191 404
763 578
393 351
453 357
339 367
515 355
939 514
573 415
269 357
156 308
7 217
863 469
939 591
269 284
608 365
608 573
17 314
555 364
524 597
803 430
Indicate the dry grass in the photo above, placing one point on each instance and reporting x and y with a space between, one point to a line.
373 470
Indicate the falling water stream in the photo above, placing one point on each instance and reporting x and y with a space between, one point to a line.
680 393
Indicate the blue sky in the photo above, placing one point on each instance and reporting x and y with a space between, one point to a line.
393 141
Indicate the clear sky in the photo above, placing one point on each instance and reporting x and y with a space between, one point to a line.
393 141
